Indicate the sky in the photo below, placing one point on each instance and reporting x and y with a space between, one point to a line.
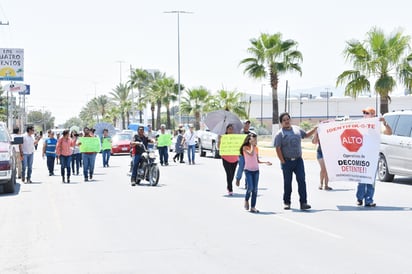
76 50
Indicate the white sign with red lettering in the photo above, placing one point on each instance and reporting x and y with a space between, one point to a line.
15 87
351 149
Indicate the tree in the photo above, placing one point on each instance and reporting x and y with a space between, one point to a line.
121 96
271 56
194 102
140 79
384 58
228 100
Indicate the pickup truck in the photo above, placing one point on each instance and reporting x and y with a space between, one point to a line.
208 142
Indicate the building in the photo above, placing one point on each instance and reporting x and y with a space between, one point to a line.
320 108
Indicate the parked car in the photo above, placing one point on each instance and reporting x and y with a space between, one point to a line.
121 143
208 142
395 153
8 159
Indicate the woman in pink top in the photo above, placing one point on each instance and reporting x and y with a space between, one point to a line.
251 154
64 153
229 163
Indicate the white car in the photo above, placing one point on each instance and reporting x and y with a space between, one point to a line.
395 154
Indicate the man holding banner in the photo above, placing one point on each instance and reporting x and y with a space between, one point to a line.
289 151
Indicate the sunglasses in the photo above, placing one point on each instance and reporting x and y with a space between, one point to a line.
367 113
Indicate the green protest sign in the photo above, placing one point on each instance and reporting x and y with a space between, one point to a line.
89 144
230 144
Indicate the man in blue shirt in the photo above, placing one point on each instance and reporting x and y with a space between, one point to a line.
49 150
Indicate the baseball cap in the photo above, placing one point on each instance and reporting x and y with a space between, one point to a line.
369 110
246 122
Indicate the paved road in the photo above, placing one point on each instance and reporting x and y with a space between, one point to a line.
187 224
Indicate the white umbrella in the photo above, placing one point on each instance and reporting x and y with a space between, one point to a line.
218 120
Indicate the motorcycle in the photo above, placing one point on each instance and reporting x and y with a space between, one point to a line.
147 168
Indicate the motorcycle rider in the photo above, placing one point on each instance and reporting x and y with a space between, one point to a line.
138 144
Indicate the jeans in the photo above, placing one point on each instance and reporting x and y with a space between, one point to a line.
88 164
230 169
106 157
76 159
288 168
191 153
252 179
27 163
136 160
163 155
365 191
65 164
50 164
241 166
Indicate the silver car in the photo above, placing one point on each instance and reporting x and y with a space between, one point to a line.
395 155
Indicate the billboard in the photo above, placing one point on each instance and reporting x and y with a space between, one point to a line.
11 64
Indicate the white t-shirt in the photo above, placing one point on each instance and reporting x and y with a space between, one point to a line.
28 144
190 138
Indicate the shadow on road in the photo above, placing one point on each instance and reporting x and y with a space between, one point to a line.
377 208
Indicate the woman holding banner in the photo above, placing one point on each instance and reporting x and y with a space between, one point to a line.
229 163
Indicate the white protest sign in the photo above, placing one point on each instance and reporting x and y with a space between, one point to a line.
351 149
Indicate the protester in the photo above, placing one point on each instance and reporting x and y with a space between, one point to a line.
138 144
289 151
250 153
106 143
365 192
18 158
241 161
64 153
76 155
229 163
164 140
179 147
49 151
190 140
89 155
27 153
324 180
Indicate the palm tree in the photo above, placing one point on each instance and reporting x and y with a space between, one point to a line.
271 56
194 102
228 100
140 79
169 94
121 95
380 57
102 103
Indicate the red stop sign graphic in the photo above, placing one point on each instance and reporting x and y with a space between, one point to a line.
351 139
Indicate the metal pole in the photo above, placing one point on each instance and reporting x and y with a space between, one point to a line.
286 96
261 105
178 56
327 103
178 65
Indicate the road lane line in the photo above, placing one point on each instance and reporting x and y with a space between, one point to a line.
333 235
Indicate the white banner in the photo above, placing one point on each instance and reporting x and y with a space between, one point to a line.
351 149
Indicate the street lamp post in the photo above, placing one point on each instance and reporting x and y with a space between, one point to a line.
178 12
327 104
261 105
